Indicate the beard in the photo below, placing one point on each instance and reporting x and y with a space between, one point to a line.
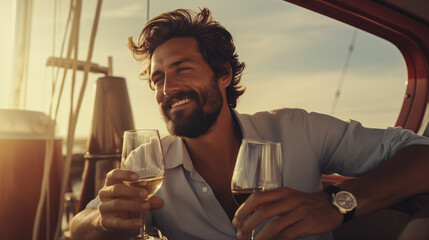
196 123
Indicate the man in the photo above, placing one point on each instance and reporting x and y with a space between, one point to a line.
195 72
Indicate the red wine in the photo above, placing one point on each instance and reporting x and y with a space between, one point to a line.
240 195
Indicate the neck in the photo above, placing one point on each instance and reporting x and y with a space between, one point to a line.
219 146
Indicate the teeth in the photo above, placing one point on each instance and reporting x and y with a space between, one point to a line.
178 103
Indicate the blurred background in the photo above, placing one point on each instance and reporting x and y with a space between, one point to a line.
294 58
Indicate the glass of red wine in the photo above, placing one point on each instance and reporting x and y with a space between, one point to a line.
258 168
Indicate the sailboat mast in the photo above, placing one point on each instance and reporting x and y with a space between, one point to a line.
21 53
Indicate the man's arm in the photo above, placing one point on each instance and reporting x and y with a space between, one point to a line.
299 213
401 177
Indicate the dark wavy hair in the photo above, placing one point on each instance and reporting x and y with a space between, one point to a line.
215 44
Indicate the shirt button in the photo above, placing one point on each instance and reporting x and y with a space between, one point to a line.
205 189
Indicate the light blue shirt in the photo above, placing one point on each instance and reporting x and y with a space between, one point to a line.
312 144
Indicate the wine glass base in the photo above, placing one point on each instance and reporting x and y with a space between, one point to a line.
146 238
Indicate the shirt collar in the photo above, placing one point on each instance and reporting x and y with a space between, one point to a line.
175 152
248 130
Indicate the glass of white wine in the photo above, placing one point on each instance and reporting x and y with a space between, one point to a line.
142 153
258 168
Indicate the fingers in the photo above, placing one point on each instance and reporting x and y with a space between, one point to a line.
119 175
121 205
156 203
284 206
113 223
298 214
114 187
255 201
120 214
122 191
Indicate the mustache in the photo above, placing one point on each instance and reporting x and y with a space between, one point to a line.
191 94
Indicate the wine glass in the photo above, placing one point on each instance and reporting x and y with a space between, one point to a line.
142 153
258 168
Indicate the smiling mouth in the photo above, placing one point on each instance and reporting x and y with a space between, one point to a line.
181 102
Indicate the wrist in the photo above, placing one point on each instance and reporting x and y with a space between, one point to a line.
107 233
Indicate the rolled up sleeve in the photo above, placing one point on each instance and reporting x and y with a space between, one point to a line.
362 150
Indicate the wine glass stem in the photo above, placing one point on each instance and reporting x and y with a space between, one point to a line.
143 233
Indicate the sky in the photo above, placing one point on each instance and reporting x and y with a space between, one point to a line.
294 58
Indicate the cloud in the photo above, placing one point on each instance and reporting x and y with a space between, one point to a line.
360 97
286 35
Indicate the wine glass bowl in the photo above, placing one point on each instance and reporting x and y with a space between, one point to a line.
142 153
258 168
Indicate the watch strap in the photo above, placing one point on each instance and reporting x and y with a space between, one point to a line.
349 215
332 189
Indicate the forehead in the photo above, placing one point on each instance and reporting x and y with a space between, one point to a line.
174 49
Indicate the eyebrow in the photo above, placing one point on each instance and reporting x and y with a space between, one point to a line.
171 65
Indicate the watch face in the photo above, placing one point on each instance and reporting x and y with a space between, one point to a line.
345 200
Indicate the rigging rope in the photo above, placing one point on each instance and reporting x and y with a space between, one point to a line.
147 11
49 149
75 8
343 72
75 114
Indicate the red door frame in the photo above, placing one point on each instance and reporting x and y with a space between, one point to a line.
409 34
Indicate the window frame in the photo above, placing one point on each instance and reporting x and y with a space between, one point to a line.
410 35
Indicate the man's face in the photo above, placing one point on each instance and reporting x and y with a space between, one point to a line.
187 92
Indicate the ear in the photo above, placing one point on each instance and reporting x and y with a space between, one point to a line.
225 80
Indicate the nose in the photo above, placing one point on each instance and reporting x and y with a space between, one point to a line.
171 85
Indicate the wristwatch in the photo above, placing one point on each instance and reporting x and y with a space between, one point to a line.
343 201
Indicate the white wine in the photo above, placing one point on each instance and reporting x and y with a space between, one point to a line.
240 195
151 184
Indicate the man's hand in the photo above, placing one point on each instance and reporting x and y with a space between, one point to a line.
298 214
120 205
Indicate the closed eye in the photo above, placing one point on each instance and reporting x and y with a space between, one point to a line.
157 81
182 69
